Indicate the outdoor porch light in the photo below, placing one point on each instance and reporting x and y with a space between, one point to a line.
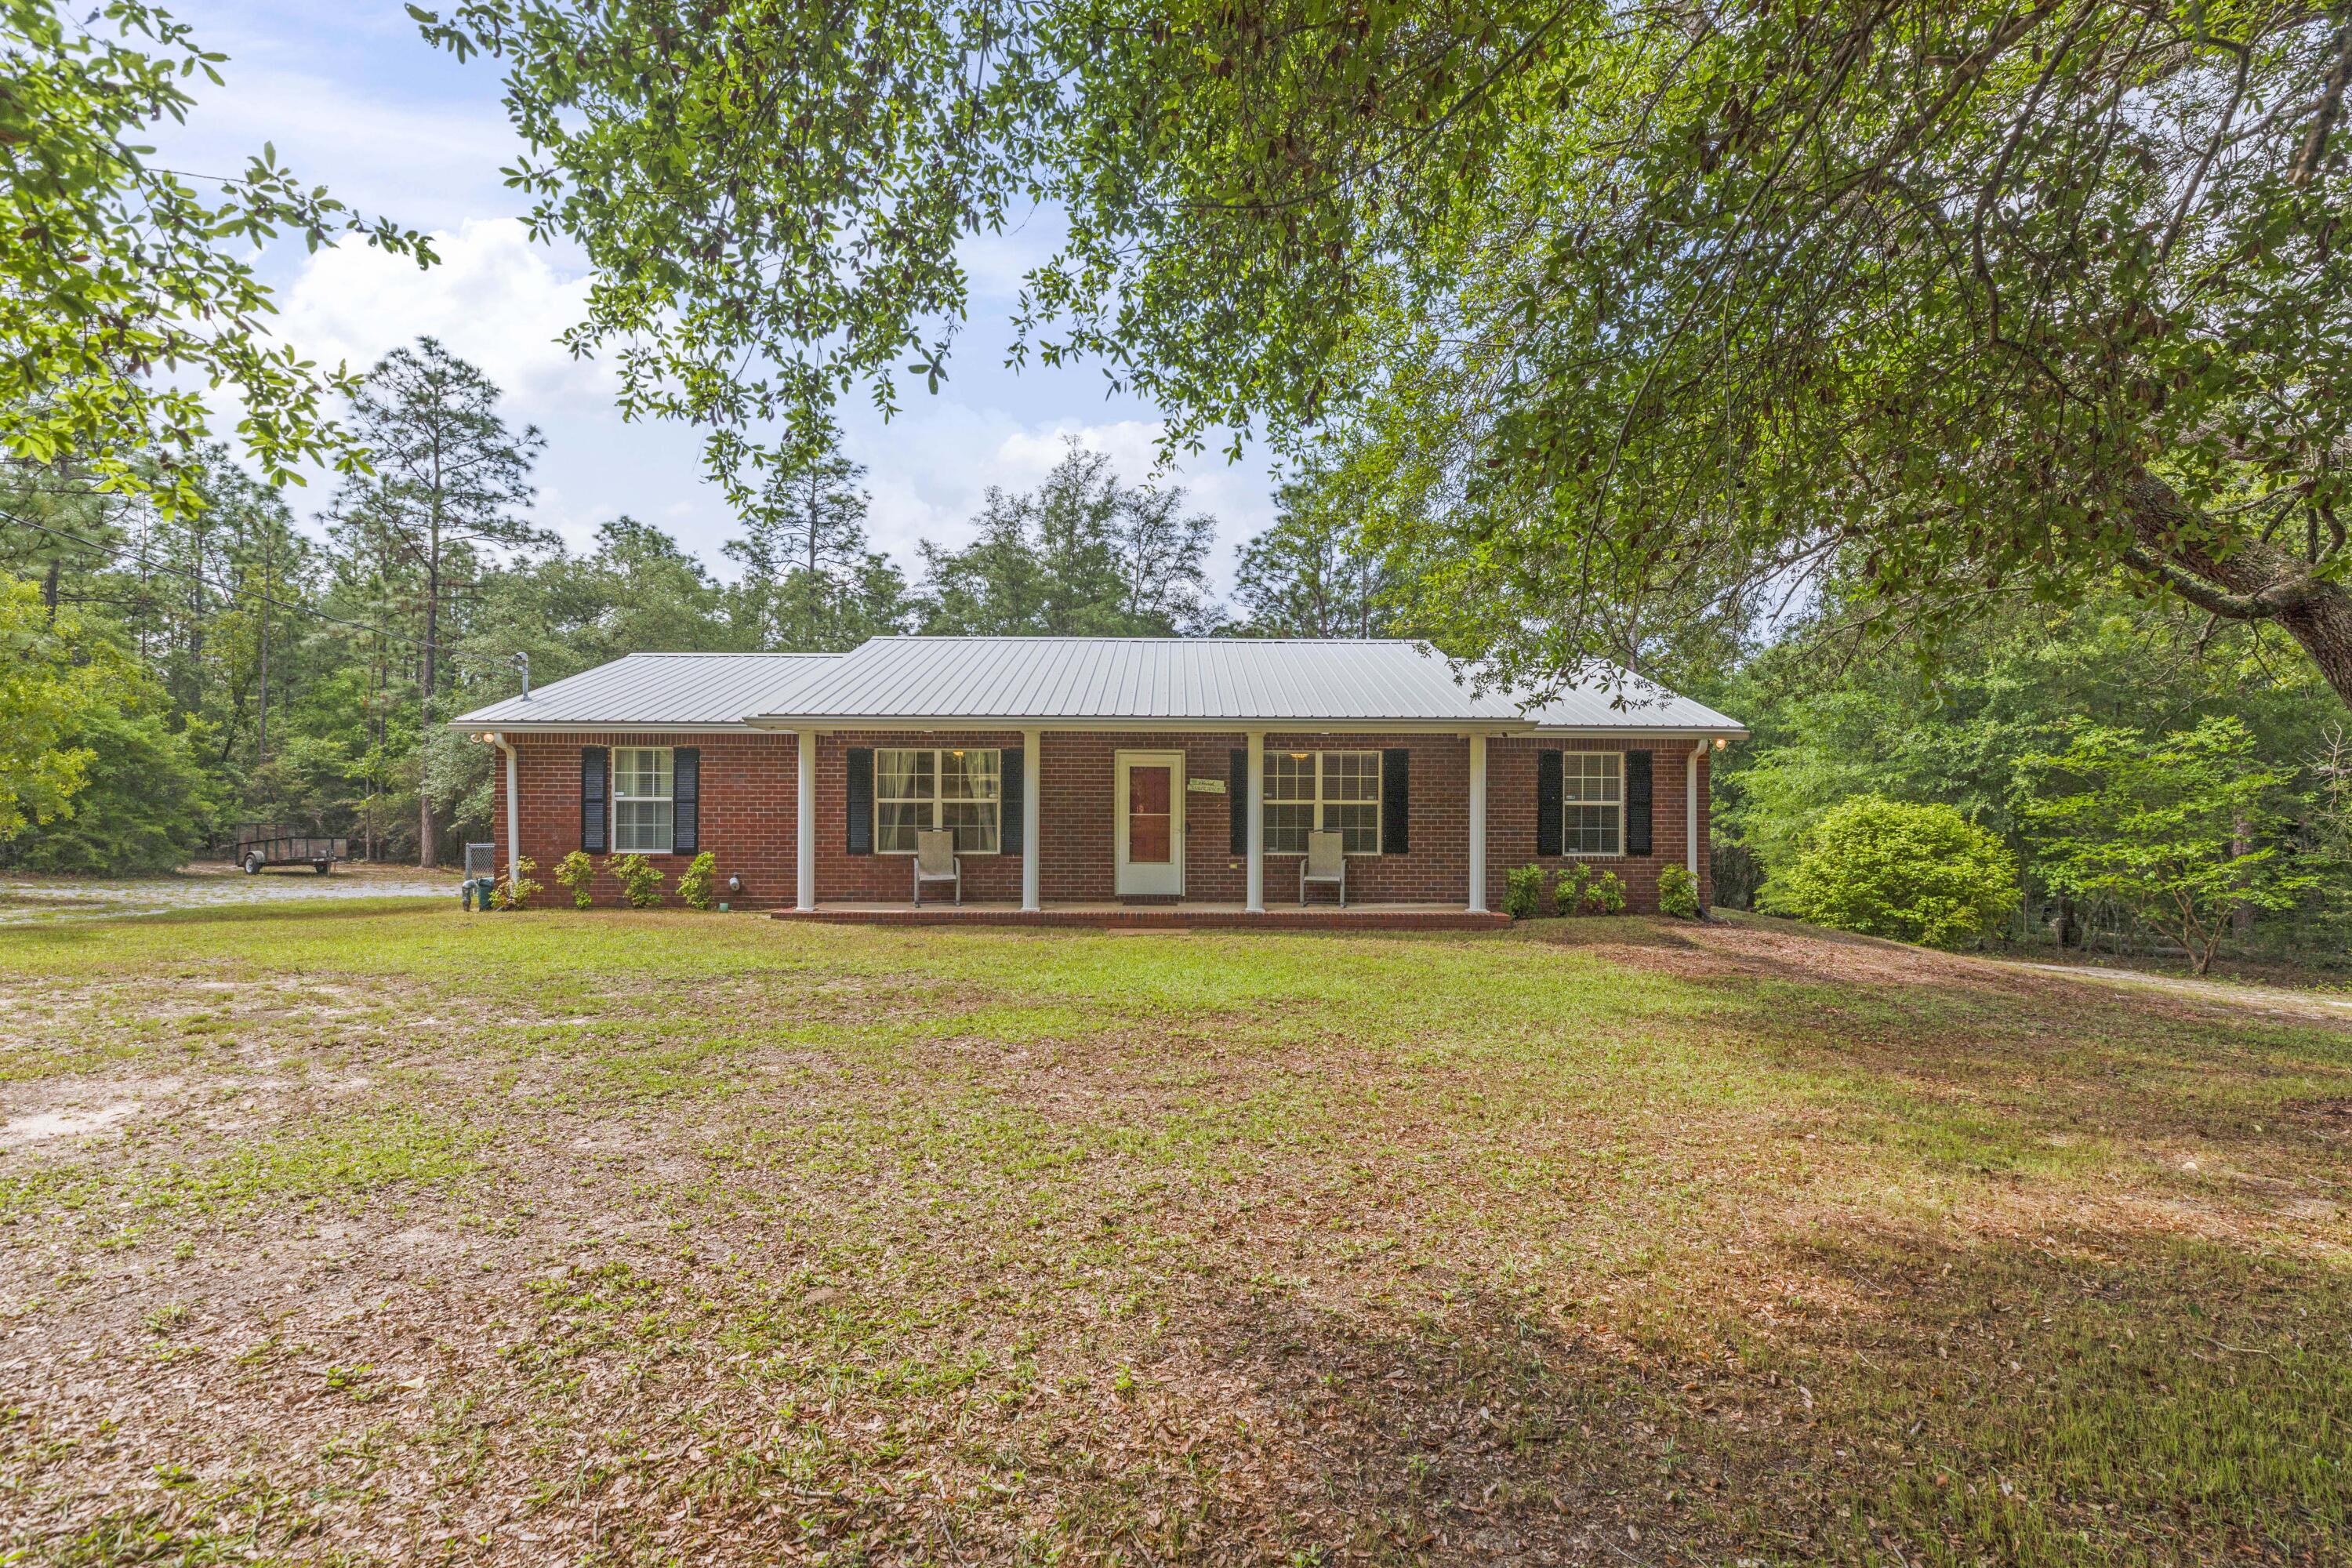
1720 743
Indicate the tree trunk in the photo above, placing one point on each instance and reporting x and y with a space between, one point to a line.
428 848
261 729
2255 581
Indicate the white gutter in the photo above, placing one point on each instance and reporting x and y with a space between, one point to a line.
514 812
607 726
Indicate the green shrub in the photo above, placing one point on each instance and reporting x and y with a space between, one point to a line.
143 807
693 885
1606 896
1678 893
1885 867
516 892
1567 893
577 872
640 883
1523 892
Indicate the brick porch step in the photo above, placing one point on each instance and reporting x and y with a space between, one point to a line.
1149 917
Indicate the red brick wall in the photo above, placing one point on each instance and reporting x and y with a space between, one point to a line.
745 815
851 879
749 806
1511 816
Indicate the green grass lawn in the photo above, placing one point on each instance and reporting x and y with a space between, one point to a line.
365 1234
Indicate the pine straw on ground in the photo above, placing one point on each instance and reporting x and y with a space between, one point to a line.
394 1237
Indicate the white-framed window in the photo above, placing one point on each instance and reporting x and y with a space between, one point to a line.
1592 803
1335 792
643 785
959 788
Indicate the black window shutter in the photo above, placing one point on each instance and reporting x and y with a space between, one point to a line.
1396 800
861 800
1237 797
1549 804
1637 803
593 764
1009 807
685 799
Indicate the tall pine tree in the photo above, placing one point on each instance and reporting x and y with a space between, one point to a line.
449 477
810 579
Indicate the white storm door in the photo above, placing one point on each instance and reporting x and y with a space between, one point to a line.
1150 841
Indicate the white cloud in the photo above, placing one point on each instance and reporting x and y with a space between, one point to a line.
495 299
350 95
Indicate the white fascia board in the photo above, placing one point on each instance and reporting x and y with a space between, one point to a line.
602 726
1143 725
1634 732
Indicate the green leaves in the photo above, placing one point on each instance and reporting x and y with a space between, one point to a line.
2185 830
1885 867
117 270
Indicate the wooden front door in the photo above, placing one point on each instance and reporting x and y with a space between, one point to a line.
1151 788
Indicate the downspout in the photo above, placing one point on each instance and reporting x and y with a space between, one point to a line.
1690 806
514 814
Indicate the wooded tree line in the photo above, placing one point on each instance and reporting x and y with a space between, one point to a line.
1954 389
2152 779
257 672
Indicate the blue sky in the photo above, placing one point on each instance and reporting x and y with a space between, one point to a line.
353 99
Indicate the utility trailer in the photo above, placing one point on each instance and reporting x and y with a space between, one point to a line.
260 844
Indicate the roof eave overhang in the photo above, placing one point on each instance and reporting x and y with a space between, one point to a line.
781 723
1145 724
1640 731
583 726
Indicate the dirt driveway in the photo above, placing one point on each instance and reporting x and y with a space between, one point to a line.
29 900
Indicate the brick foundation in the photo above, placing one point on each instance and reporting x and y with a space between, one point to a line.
749 796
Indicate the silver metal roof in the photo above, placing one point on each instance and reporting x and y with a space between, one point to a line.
652 690
1197 680
1011 681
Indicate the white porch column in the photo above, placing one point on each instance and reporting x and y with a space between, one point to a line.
1690 809
804 832
1032 785
1255 806
1477 824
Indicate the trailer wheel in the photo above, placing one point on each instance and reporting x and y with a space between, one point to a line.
252 865
321 866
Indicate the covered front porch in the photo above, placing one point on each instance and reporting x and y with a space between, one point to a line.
1156 917
1107 825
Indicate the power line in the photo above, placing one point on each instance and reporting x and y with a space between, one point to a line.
119 552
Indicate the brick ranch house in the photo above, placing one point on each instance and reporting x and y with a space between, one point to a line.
1101 780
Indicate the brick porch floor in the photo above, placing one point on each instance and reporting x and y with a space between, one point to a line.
1158 917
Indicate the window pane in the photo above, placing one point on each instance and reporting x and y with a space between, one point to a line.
896 823
641 772
972 775
974 824
1352 776
1358 826
902 774
1591 775
1285 828
640 826
1290 778
1591 830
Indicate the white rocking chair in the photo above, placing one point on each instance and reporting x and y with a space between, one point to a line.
1326 861
937 861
